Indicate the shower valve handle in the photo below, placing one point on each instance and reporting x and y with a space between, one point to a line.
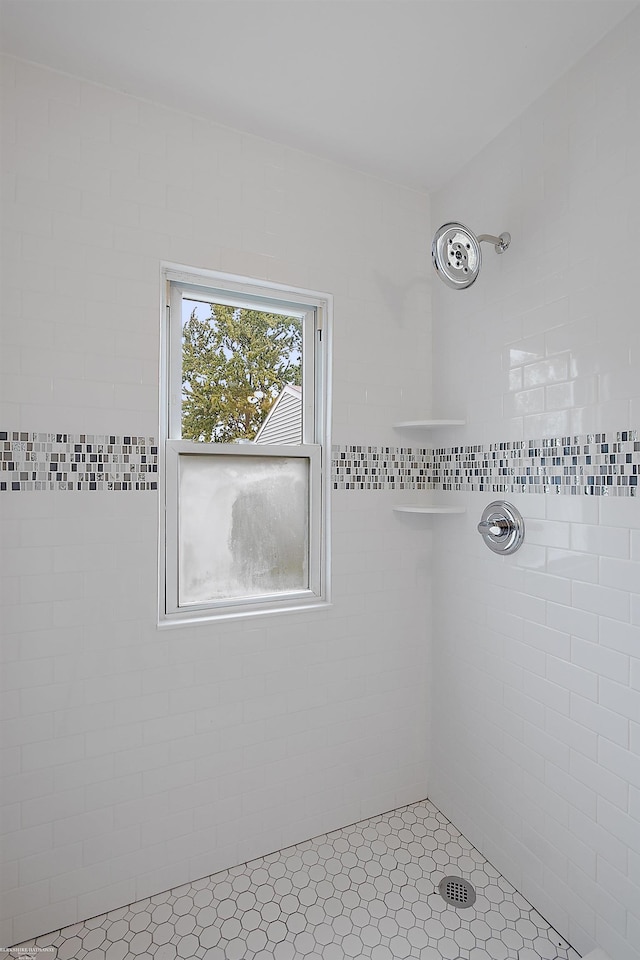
498 527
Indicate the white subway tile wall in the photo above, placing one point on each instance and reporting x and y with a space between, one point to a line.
536 704
122 744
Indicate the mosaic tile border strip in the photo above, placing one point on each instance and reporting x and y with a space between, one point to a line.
596 464
382 468
72 462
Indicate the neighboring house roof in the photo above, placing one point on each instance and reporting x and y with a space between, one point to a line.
283 423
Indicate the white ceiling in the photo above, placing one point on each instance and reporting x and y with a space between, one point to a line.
405 89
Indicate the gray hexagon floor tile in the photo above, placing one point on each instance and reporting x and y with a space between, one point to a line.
369 891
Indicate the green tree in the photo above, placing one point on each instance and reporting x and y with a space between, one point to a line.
234 365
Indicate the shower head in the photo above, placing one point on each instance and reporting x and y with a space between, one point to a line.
456 253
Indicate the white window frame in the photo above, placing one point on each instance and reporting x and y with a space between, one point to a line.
315 309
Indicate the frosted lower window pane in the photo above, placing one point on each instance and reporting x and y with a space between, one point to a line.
244 527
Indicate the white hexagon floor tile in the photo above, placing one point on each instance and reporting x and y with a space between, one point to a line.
368 890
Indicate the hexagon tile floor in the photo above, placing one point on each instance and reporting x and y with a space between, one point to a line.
368 890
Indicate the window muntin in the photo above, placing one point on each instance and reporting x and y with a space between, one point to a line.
265 516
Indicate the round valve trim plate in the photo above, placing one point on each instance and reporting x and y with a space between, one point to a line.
502 527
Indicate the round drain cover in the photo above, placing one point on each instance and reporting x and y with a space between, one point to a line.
457 892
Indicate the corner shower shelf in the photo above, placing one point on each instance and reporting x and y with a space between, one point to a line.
428 508
422 424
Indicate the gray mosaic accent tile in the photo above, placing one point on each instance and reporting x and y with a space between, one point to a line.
596 464
600 464
72 462
382 468
369 890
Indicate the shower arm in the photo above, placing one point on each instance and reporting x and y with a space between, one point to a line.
500 243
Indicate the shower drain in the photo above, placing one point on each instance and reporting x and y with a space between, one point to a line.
457 892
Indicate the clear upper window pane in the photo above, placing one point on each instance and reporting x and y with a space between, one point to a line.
243 527
241 374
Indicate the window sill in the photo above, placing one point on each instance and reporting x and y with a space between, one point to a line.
185 620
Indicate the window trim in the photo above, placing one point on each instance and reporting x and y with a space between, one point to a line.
316 445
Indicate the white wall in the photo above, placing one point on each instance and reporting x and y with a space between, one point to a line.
137 759
536 696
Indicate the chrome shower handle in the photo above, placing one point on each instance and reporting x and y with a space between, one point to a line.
498 527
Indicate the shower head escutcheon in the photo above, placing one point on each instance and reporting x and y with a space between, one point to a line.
456 253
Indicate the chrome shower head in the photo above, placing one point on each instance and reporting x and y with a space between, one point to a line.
456 253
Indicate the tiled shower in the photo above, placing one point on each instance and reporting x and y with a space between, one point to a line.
142 766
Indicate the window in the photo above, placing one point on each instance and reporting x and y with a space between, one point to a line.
244 420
